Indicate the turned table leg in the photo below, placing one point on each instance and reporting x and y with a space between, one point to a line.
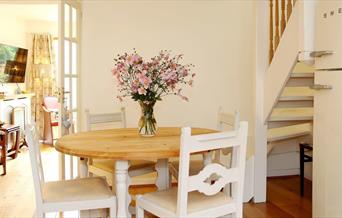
163 178
83 167
121 178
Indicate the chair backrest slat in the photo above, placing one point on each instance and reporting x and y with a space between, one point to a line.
214 141
236 140
226 176
228 119
32 138
106 118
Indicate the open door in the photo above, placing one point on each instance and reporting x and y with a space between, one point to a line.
68 77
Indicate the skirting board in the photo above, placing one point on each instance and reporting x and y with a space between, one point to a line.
248 190
282 172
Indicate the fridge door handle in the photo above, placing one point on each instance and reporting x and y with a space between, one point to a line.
318 54
318 87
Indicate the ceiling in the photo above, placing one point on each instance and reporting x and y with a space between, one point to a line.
47 12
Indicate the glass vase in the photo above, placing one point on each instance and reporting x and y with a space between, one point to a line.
147 122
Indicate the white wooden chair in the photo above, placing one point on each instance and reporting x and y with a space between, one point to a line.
106 167
67 195
224 120
195 196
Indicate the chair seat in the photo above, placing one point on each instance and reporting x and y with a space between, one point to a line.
196 201
93 188
108 165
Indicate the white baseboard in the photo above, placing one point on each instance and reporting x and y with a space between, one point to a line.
248 190
283 172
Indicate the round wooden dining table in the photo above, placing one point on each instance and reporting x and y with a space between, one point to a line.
123 145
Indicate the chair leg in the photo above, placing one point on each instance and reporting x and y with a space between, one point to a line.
238 213
3 158
301 163
139 211
38 214
112 212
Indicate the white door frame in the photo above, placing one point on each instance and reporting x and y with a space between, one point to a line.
70 74
260 129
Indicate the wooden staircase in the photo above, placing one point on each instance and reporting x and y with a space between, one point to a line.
288 108
293 114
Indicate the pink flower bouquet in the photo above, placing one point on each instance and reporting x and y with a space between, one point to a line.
149 81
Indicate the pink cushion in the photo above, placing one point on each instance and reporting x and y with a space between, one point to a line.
51 103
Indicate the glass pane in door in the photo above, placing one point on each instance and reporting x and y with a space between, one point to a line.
74 93
74 22
66 57
67 84
66 20
74 121
74 58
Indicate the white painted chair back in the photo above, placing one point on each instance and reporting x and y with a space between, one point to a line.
105 119
108 200
228 120
237 140
32 138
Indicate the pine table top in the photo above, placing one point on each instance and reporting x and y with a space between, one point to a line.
124 143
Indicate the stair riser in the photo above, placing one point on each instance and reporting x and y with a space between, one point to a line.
289 145
286 138
302 75
294 104
300 82
276 124
286 119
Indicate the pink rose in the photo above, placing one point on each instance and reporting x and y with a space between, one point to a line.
144 80
142 91
191 82
114 71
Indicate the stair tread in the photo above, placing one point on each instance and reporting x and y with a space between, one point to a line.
287 132
284 114
297 93
302 67
303 75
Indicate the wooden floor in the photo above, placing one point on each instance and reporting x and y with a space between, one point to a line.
17 199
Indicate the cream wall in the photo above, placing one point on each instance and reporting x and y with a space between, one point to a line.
17 32
13 32
217 36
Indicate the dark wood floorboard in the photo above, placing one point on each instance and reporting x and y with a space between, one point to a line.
283 200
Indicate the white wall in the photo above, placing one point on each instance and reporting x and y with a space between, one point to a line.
42 26
13 32
17 32
217 36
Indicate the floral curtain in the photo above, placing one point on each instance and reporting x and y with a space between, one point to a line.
41 79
